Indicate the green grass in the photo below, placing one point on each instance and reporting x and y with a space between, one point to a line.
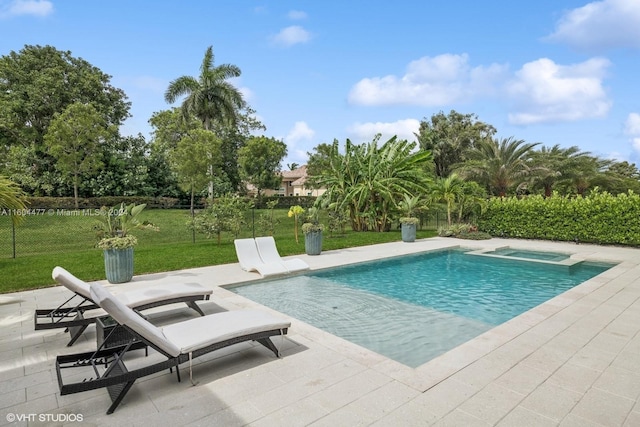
69 242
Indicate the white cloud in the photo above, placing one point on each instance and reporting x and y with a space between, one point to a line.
543 91
300 132
404 129
600 25
291 35
26 7
632 125
429 81
297 14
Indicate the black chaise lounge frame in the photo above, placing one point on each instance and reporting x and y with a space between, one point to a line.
110 369
70 314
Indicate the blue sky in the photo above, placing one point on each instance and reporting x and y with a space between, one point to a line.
550 71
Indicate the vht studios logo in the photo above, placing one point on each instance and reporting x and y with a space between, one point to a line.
51 418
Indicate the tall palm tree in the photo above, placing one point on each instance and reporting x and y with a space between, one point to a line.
210 97
499 164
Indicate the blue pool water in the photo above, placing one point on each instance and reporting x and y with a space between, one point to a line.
537 255
417 307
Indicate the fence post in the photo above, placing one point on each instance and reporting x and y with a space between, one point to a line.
13 235
193 228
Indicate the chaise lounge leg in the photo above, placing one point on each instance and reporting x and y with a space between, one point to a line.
75 332
269 344
193 305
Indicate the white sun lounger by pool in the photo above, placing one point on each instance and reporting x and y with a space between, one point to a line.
179 343
270 255
72 314
250 260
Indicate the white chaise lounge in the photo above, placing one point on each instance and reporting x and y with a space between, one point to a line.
179 342
71 313
270 255
250 260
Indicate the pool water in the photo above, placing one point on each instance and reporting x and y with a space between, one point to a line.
537 255
414 308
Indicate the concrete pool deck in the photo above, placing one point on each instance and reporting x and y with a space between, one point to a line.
572 361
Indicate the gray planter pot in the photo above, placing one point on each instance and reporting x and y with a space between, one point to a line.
118 264
408 232
313 243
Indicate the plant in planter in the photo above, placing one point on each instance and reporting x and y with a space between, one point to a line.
312 230
113 230
409 226
408 223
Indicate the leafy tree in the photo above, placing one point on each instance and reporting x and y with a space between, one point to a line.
319 161
127 170
210 97
196 160
226 213
267 221
622 176
259 160
74 139
450 137
36 84
233 138
369 180
499 165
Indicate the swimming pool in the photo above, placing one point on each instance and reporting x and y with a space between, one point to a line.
416 307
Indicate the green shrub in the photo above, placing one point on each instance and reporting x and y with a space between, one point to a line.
598 218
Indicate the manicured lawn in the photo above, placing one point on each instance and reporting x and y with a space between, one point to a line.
47 241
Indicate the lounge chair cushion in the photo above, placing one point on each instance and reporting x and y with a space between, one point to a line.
71 282
214 328
127 317
192 334
134 298
160 293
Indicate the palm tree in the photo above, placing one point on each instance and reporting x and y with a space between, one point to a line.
499 165
554 165
12 199
447 190
210 97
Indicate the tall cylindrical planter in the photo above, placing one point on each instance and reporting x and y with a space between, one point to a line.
408 232
118 264
313 242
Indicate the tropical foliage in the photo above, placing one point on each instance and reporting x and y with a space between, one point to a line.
12 199
500 165
369 180
115 224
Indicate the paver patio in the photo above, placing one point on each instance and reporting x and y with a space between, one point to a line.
572 361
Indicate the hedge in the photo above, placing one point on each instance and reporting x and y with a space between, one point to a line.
97 202
598 218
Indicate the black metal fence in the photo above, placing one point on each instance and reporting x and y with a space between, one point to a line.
57 230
